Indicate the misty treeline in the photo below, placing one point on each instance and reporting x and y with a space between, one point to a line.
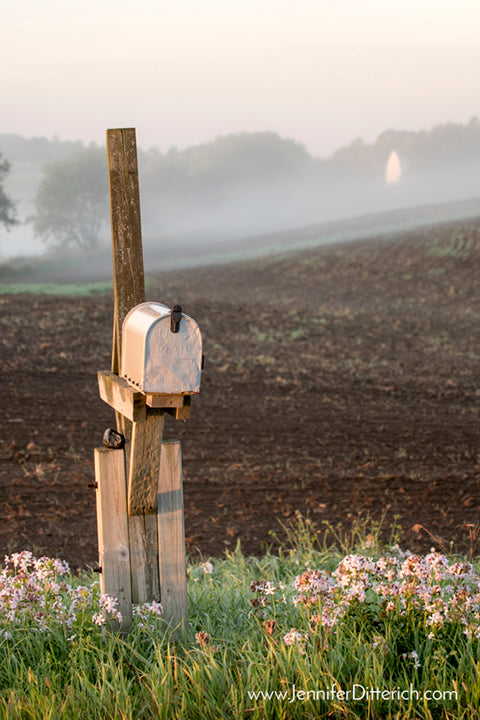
238 185
8 211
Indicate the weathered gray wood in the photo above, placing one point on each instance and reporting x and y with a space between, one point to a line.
113 538
171 535
181 413
145 448
159 400
143 553
144 558
128 275
143 433
131 403
117 393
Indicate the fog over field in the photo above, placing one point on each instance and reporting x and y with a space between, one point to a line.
252 118
243 193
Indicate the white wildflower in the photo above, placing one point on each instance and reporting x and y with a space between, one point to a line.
293 637
108 602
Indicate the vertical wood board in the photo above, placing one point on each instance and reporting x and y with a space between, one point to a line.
113 539
171 534
128 274
144 558
146 442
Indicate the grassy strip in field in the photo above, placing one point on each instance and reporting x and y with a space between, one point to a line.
264 640
72 289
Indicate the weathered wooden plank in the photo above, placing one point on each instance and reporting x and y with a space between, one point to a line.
128 275
117 393
145 464
178 406
182 413
144 558
159 400
154 477
113 538
171 535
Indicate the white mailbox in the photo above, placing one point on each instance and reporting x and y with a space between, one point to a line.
161 350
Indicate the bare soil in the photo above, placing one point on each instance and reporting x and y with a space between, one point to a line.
341 382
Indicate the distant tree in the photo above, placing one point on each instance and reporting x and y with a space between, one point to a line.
438 149
7 207
72 200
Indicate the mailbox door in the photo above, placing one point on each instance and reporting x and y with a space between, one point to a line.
173 360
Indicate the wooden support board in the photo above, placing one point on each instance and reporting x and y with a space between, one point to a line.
133 404
117 393
145 465
144 558
158 400
112 525
180 413
139 498
171 535
128 275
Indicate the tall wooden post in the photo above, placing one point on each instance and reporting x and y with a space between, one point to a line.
128 276
130 480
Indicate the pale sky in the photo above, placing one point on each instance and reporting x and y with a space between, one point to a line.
185 71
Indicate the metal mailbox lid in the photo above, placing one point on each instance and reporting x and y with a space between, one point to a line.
157 360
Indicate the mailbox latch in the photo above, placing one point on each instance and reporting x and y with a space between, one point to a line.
175 317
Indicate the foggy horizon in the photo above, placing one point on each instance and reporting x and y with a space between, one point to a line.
271 183
209 199
321 73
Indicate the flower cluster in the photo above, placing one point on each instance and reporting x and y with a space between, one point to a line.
202 638
413 656
207 567
147 615
201 571
440 592
265 594
399 586
33 593
293 637
312 585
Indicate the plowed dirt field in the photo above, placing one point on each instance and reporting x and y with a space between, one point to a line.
341 382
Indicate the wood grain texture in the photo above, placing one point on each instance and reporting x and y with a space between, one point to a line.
144 470
153 498
171 535
177 406
180 413
113 537
117 393
144 558
161 400
128 274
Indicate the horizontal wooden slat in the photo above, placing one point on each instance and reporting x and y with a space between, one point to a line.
159 400
117 393
133 404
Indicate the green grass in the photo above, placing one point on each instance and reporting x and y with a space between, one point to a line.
463 241
240 666
75 289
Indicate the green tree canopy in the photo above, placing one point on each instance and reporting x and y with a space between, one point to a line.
7 207
72 200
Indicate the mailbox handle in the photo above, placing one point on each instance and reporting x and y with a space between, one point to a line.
175 318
